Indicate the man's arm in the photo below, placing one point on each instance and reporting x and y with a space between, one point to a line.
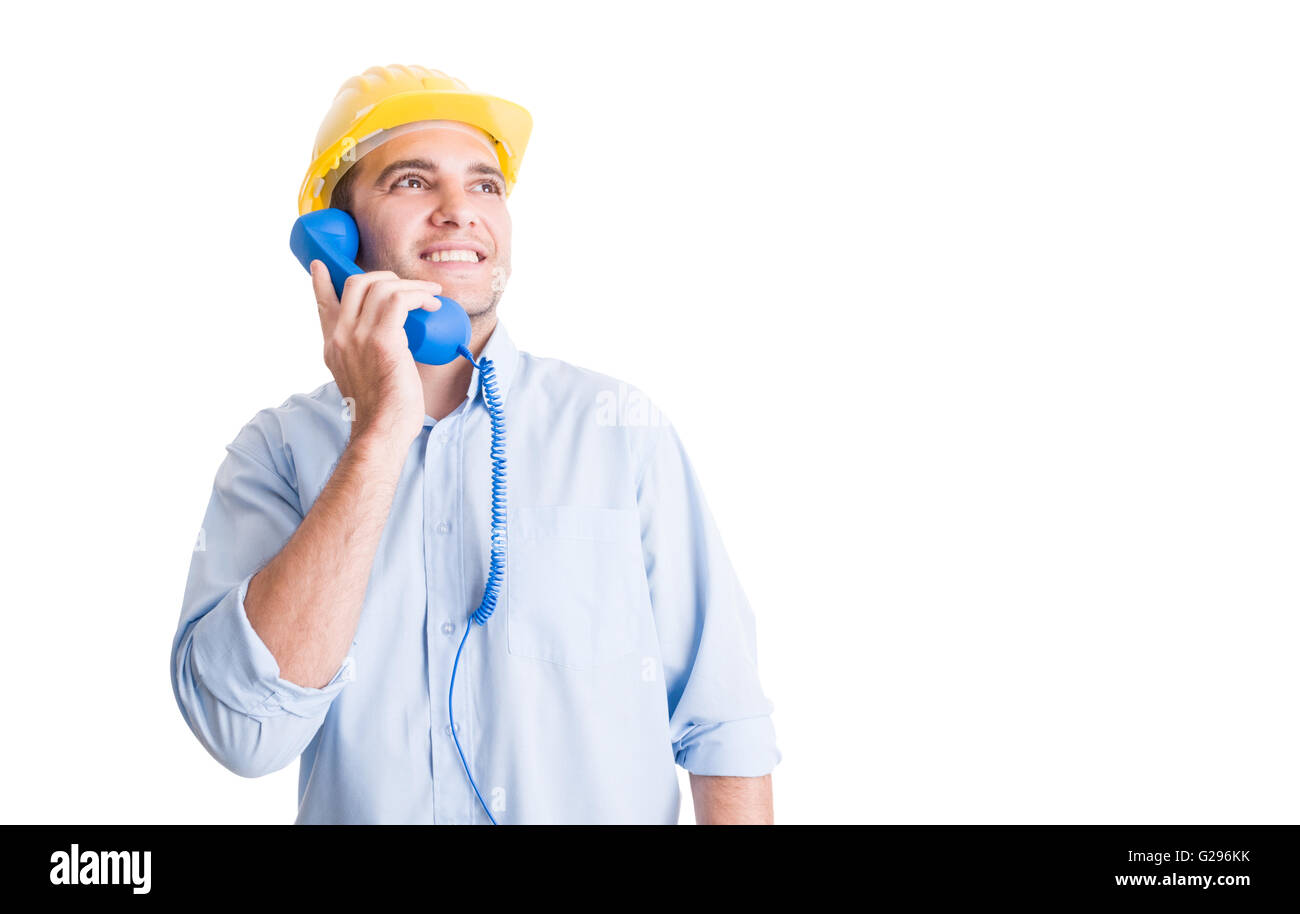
719 718
732 801
274 596
306 603
226 681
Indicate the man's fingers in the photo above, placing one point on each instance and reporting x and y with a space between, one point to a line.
322 285
356 289
327 303
374 302
392 313
376 310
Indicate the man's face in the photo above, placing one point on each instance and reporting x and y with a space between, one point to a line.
436 188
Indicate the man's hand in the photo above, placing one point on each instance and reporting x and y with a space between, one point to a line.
732 801
367 352
305 604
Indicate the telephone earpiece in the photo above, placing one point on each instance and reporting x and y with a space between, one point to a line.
330 236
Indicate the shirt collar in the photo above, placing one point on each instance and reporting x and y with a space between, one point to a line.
501 350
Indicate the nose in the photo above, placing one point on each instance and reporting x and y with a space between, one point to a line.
453 205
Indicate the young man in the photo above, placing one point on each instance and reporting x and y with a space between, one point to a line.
348 538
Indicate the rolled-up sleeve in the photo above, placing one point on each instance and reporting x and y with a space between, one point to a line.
719 718
226 681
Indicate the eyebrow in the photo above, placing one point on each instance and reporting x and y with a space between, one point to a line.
476 168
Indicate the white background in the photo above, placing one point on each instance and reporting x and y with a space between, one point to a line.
978 320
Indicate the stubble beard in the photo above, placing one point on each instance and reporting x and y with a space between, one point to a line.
480 304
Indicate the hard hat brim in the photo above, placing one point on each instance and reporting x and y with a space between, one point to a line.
508 124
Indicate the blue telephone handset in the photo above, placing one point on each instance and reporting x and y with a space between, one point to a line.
330 236
435 338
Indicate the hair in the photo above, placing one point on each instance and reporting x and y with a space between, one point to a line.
341 196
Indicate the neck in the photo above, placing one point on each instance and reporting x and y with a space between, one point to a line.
445 386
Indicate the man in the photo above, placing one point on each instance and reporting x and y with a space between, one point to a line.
348 537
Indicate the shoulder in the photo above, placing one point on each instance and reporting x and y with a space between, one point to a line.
306 426
566 382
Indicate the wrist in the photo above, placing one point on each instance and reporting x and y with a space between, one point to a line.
377 443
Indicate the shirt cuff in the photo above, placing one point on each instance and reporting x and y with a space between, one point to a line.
231 661
734 748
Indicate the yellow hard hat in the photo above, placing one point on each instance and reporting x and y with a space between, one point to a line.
386 97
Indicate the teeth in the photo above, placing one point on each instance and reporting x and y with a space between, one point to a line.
440 256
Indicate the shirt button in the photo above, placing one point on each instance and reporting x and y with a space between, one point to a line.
441 437
444 527
448 627
447 729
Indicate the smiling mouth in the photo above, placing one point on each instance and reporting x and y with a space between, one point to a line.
469 258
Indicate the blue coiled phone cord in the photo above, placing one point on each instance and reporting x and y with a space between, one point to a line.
488 382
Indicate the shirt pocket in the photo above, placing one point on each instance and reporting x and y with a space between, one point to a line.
575 581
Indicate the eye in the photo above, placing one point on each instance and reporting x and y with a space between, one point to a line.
409 176
495 185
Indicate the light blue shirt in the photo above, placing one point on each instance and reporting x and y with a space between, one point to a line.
622 643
